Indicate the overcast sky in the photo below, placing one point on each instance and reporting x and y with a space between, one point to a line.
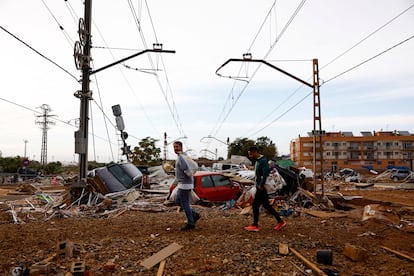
365 51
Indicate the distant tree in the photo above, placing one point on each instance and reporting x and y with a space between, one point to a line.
53 167
146 153
93 165
266 147
12 164
240 146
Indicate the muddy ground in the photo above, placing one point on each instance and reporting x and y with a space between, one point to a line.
219 245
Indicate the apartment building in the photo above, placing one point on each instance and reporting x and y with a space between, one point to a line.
378 151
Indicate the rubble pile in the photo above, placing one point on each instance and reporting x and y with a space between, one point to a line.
137 231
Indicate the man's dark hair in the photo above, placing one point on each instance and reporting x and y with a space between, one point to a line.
178 143
253 148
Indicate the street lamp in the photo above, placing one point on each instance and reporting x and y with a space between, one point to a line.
212 137
25 145
166 144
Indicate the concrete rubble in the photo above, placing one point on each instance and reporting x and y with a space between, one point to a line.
44 202
284 187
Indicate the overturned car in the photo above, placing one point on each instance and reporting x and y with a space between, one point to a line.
118 177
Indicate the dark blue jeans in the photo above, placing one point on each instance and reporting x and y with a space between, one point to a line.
183 199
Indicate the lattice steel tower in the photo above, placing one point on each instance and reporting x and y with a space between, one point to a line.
44 123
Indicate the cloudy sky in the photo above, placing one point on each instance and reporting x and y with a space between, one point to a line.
365 51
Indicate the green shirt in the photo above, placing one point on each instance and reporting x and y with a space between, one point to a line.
262 170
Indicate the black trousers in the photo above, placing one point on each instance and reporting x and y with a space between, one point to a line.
262 198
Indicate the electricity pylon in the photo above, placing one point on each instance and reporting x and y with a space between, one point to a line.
44 123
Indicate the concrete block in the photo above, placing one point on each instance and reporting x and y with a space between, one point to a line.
77 268
42 267
64 249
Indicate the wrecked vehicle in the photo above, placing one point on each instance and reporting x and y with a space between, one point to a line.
24 173
214 186
399 175
118 176
350 175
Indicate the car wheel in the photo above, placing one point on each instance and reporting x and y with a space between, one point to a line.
395 179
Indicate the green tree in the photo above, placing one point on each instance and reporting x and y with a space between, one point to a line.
266 147
54 167
12 164
240 146
146 153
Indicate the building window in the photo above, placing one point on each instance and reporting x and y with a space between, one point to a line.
407 145
345 162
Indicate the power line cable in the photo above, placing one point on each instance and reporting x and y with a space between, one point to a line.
68 38
217 128
346 71
368 36
283 114
125 78
172 107
371 58
336 58
40 54
106 118
55 119
72 12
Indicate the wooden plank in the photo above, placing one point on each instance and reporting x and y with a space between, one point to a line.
161 268
322 214
161 255
308 263
398 253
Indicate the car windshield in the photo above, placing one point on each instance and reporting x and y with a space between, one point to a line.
120 174
132 171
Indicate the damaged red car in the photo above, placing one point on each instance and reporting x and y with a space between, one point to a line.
214 186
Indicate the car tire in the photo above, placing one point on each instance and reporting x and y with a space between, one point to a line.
395 179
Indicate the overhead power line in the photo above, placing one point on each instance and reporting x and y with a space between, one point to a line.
293 16
329 63
167 91
40 54
368 36
67 36
365 61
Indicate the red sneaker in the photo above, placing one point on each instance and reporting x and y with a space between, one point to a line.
252 228
279 225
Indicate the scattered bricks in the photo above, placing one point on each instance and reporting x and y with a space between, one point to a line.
355 253
77 268
109 267
283 249
65 249
41 267
35 272
88 273
77 250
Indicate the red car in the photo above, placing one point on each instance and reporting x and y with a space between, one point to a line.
214 186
